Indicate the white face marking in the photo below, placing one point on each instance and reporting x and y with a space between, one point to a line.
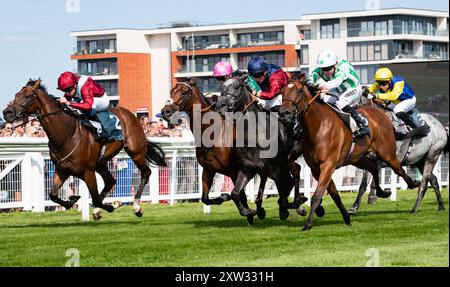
290 86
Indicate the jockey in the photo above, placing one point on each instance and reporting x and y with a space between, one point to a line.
223 71
271 78
399 97
84 94
340 86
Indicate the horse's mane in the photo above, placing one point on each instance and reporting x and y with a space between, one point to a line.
303 78
41 86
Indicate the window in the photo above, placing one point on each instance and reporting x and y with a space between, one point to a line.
436 51
304 55
329 29
276 58
366 73
98 68
372 51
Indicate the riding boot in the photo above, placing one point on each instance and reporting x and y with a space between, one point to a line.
417 131
361 121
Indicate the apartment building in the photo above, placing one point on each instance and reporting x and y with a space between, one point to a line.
139 67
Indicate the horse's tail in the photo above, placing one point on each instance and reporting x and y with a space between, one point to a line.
447 146
155 154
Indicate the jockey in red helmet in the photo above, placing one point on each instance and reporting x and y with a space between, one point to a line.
84 94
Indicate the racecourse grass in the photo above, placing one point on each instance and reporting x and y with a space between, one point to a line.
182 235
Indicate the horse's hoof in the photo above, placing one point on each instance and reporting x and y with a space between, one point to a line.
302 211
347 220
97 216
109 208
225 197
414 211
383 194
284 214
74 198
320 211
117 204
441 208
306 228
371 200
139 213
261 212
352 211
250 219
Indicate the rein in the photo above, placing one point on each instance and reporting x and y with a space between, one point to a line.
201 97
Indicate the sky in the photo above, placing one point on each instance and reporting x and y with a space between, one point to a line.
35 40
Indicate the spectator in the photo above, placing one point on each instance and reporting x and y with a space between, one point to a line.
32 132
7 130
153 129
18 132
145 123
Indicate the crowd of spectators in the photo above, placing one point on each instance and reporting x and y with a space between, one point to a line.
32 129
157 128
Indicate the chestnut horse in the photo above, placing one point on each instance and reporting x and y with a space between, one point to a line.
74 151
327 142
215 159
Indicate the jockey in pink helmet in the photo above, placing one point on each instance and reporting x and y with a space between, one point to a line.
222 71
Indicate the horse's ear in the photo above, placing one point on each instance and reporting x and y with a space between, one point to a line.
242 77
37 84
192 82
29 81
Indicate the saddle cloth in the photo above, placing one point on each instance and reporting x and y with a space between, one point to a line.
346 118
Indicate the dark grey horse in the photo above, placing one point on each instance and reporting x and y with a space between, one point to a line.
235 101
421 153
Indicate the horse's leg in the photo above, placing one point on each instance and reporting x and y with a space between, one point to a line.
426 168
323 175
372 167
391 160
207 181
285 183
241 181
145 172
435 184
59 178
299 199
337 200
260 211
108 179
372 198
362 189
91 183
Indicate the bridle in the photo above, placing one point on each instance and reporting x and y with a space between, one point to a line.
182 105
28 104
253 98
301 110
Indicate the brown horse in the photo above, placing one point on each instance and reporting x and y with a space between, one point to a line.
216 159
74 151
327 142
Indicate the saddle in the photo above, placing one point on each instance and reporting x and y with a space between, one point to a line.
93 126
345 117
402 130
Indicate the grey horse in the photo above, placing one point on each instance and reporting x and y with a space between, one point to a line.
422 153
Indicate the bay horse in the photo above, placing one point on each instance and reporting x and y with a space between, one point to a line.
216 159
74 151
327 142
236 100
422 154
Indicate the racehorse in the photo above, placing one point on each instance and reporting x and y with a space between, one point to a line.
236 100
421 153
216 159
74 151
328 142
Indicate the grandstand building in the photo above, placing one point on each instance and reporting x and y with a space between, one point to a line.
139 67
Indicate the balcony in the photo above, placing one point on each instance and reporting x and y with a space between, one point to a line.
260 42
87 51
396 30
205 46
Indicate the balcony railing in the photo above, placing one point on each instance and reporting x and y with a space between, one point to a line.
196 68
205 45
260 42
87 51
395 30
99 72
